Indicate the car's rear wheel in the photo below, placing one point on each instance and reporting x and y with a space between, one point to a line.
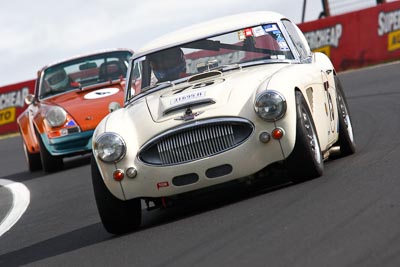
50 163
117 216
305 162
33 159
346 136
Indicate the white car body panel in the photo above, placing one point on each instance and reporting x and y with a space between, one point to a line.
234 94
145 184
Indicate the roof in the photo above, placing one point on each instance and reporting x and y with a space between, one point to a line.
210 28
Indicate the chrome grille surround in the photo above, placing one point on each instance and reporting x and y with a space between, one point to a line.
195 140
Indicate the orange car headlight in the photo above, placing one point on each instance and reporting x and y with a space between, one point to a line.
56 116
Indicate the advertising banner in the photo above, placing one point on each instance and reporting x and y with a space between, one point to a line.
12 103
357 39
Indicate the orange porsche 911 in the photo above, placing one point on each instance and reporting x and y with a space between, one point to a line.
71 97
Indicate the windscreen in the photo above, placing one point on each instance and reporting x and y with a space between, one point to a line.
84 71
255 45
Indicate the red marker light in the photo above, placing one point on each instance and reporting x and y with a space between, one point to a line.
118 175
277 133
162 184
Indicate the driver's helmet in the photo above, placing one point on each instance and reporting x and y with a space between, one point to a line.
168 65
57 79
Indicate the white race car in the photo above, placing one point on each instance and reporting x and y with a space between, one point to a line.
216 102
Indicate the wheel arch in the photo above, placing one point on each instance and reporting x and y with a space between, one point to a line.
113 186
288 122
27 131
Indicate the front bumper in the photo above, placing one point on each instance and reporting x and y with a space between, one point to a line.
70 144
159 181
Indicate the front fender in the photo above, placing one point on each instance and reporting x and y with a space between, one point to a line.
323 61
27 131
106 169
288 124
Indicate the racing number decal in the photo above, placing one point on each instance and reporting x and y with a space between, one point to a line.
330 107
105 92
330 111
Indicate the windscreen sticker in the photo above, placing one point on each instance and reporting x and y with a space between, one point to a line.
270 27
241 35
278 36
248 32
187 97
105 92
258 31
283 46
278 57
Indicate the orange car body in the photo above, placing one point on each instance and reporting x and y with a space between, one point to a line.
84 104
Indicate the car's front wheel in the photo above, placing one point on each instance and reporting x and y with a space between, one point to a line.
50 163
117 216
305 162
346 136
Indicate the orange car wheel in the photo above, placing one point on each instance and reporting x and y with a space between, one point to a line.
50 163
33 160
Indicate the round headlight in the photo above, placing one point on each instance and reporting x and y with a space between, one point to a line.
270 105
110 147
56 116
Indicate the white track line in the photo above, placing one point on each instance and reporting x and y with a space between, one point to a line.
21 199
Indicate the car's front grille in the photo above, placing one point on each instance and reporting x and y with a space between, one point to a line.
196 140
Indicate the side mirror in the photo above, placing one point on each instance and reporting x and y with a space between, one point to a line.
113 106
30 99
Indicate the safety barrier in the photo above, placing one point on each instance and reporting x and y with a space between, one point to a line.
12 103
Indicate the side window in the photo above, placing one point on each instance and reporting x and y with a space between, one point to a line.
298 39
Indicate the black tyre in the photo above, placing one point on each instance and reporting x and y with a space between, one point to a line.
33 159
346 135
305 162
117 216
50 163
